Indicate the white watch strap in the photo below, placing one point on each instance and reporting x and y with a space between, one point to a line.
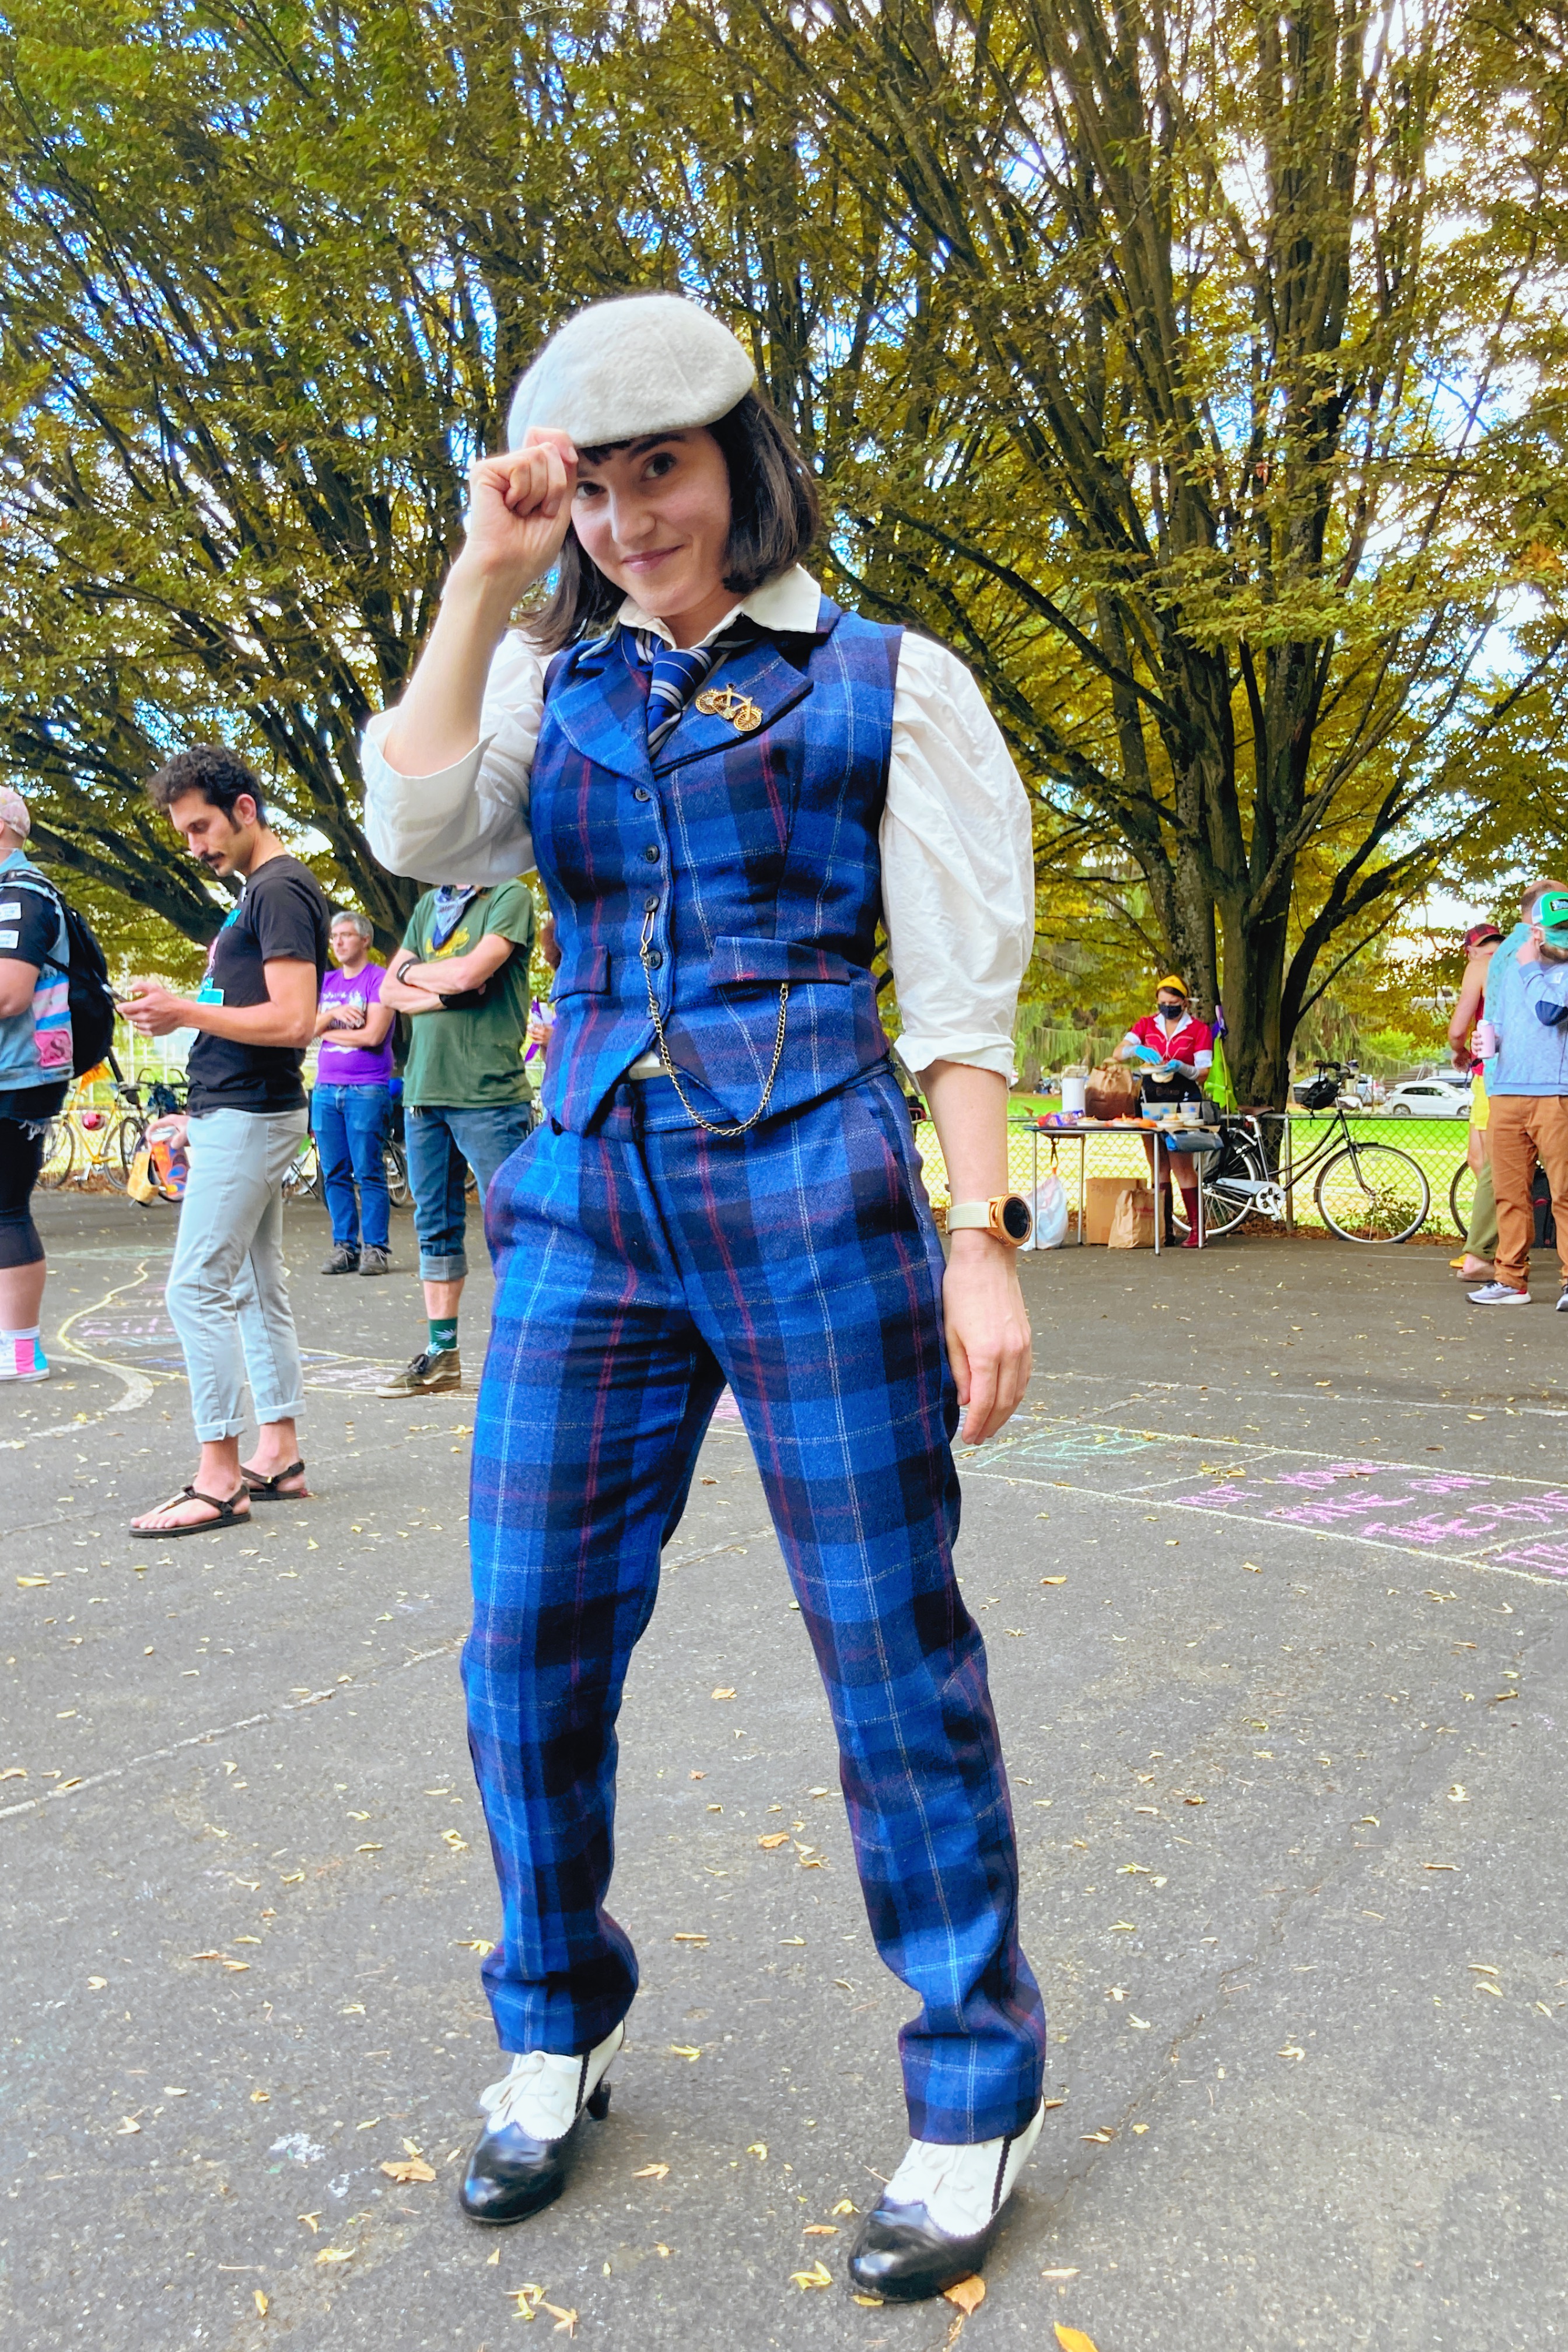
968 1212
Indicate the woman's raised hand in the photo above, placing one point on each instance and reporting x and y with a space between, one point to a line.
520 506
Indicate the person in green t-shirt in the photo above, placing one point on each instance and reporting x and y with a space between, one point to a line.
462 978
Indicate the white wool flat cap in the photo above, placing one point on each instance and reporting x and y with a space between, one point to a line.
617 371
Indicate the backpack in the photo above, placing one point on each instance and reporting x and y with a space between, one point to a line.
88 992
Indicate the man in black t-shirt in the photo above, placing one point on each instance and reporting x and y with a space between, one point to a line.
255 1011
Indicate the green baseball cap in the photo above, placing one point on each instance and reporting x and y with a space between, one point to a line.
1552 911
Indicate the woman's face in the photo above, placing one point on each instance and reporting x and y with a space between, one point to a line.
1173 1007
654 517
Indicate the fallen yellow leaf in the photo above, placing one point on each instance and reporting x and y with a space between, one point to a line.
260 2302
127 2125
13 1772
336 2254
565 2321
683 2049
1482 1968
817 2276
773 1838
688 1939
1053 1579
1102 2137
724 1694
759 2149
96 1984
32 1579
819 2229
1073 2340
449 1837
1060 2274
869 2302
475 1943
968 2294
844 2205
314 2223
1483 1984
652 2172
405 2170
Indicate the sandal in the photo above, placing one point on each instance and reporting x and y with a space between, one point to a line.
227 1517
271 1490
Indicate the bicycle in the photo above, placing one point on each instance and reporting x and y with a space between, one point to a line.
302 1177
82 1142
1365 1191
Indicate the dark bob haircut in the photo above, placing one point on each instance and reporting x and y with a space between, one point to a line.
774 516
219 774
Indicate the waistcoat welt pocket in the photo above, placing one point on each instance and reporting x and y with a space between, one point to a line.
735 963
587 974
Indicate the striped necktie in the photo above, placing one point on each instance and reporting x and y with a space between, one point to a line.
676 673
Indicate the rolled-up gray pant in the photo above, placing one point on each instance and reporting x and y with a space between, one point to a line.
227 1294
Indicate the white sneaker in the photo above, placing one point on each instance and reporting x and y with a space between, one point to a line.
1563 1302
963 2189
543 2095
1497 1294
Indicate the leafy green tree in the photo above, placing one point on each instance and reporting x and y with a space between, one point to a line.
1191 372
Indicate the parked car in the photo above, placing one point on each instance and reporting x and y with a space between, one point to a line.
1435 1097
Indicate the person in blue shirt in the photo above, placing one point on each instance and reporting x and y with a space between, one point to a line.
1527 1089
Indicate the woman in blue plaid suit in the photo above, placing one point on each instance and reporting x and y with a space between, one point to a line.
728 785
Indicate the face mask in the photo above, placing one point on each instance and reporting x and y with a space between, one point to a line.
1173 1011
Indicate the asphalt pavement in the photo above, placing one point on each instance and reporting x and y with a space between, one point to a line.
1270 1573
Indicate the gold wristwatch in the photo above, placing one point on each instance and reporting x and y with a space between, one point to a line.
1009 1216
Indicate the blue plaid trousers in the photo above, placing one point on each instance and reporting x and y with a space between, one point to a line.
640 1267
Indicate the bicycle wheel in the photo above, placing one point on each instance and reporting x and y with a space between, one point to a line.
398 1190
1230 1198
59 1153
303 1173
1461 1197
1373 1192
130 1138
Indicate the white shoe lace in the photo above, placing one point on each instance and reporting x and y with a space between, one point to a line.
542 2093
963 2189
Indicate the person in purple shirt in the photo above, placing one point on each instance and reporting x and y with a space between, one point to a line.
352 1102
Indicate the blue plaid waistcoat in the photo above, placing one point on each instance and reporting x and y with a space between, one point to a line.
752 859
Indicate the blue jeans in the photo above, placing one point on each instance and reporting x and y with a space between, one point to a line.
349 1125
442 1146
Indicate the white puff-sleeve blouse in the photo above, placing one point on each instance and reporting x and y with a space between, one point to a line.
958 870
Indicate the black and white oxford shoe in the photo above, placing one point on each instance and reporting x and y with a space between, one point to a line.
934 2222
533 2116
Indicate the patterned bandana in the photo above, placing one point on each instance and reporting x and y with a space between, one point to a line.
452 899
676 673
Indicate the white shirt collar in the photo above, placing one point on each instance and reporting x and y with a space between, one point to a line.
793 602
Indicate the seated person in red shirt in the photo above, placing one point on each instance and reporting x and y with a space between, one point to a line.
1173 1053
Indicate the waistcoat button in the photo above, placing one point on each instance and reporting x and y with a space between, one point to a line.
655 958
651 853
641 793
650 906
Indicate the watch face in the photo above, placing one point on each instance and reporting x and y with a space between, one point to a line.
1016 1222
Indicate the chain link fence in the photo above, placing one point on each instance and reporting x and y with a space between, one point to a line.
1437 1145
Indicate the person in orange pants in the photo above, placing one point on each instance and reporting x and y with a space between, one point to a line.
1527 1089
